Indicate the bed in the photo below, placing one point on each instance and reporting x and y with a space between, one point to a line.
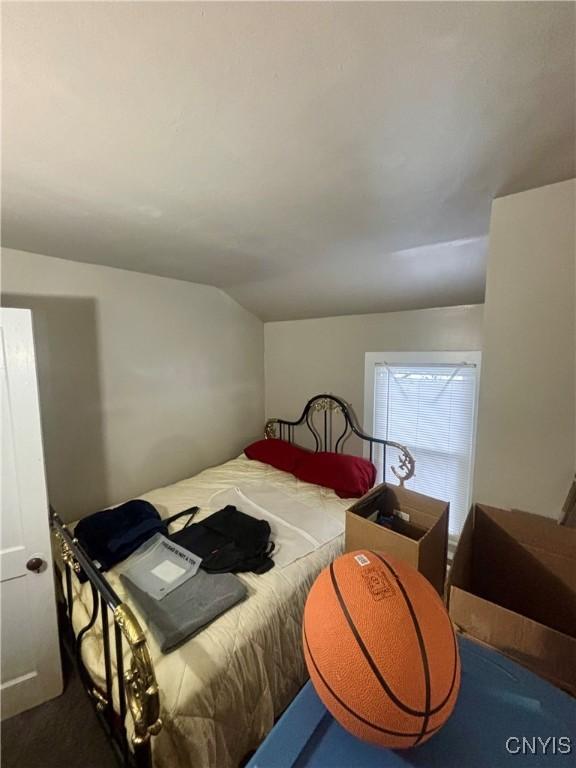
209 703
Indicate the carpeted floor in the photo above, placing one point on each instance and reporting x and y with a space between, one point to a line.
62 733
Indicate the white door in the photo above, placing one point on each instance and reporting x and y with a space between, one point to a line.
30 659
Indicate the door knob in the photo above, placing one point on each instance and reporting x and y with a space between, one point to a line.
35 564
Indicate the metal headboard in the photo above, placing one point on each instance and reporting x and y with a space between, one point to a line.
324 407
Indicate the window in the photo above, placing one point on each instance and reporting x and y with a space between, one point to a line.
428 402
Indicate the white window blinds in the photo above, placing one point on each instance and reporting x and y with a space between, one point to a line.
431 410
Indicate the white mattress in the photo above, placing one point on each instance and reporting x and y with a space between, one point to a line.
222 690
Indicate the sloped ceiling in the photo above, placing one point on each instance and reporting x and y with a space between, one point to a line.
309 158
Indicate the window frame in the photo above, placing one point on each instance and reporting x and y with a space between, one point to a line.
436 357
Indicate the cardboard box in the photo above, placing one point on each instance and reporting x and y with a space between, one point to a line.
422 535
568 515
512 585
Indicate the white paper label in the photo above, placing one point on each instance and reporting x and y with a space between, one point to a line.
168 571
362 560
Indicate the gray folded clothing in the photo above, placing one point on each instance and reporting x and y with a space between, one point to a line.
188 608
159 566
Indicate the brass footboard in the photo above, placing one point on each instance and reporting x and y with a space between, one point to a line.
132 690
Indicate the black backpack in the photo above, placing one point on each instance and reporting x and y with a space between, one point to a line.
229 541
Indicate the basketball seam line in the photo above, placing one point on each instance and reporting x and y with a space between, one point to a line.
442 704
370 661
367 656
421 644
349 709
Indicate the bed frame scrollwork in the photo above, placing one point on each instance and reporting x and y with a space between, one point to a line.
129 688
328 436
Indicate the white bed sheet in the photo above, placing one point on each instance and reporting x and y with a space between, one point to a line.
222 690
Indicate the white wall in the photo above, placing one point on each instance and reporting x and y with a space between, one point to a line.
525 456
143 380
305 357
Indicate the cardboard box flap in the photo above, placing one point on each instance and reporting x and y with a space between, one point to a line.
370 501
404 499
533 530
461 570
418 517
509 574
361 536
546 651
434 553
568 516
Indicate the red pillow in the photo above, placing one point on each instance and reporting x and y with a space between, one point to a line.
277 453
349 476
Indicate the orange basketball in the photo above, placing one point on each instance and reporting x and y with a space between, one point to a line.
380 649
